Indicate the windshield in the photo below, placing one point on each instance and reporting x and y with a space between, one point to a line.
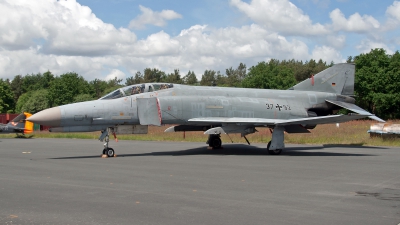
136 89
115 94
162 86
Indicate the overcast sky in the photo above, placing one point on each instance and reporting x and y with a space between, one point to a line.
107 38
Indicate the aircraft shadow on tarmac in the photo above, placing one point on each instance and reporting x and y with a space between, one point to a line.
242 149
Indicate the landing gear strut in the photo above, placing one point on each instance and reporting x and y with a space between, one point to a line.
276 144
106 150
214 141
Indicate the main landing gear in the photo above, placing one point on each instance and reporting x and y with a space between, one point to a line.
107 151
214 141
273 152
276 144
274 147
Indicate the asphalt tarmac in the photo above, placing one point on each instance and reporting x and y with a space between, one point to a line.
65 181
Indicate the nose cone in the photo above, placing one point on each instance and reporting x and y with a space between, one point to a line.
48 117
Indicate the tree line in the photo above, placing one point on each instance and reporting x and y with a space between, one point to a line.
377 83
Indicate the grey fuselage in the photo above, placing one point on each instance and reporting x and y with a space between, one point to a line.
180 103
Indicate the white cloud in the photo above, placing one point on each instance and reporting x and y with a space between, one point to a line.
32 61
327 54
156 45
393 17
199 48
148 16
366 45
281 16
64 36
355 23
115 73
66 28
394 10
335 41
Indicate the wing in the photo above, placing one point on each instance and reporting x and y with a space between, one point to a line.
242 125
361 113
355 109
281 122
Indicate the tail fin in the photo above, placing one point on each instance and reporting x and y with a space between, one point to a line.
21 122
338 79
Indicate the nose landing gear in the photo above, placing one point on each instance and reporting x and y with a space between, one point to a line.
107 151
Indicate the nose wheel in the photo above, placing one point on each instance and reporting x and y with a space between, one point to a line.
107 151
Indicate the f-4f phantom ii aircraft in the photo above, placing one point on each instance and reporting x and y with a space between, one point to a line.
214 110
18 125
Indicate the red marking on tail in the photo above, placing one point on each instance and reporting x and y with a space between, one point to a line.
312 80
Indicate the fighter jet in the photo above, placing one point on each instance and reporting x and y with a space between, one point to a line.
214 110
18 125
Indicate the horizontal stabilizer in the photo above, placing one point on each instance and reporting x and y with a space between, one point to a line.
356 109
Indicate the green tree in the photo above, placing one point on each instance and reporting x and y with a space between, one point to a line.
153 75
114 82
6 97
83 98
64 88
270 75
190 78
36 82
209 78
37 101
306 70
377 83
174 77
21 101
16 86
138 79
98 87
350 59
236 76
221 80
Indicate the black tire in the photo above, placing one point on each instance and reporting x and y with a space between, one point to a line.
110 152
104 151
273 152
215 142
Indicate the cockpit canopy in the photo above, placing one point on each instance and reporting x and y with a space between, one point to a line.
136 89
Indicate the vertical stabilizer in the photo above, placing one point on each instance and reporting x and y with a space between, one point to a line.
338 79
21 123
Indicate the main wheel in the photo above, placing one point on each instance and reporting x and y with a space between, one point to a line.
273 152
110 152
215 142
